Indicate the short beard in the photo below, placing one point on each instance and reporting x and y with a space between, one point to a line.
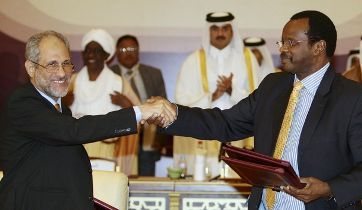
50 90
56 93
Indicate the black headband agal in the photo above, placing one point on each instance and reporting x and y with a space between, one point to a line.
254 41
352 52
215 17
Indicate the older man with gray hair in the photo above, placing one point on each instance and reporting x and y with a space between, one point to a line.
44 163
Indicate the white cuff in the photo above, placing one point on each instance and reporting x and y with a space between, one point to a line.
138 113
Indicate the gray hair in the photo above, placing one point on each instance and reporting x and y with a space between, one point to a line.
32 51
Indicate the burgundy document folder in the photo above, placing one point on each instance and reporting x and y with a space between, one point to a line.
100 205
261 170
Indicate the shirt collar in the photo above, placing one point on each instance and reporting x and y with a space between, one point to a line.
311 82
51 100
223 53
124 69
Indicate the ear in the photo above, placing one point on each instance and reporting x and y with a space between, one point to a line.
30 68
319 47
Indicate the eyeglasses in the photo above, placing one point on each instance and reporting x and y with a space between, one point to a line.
68 67
289 43
128 49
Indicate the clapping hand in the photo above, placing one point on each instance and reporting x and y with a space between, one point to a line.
158 111
224 85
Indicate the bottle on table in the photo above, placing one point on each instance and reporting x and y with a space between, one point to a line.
183 165
200 162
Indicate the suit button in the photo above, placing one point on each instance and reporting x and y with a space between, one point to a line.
90 171
90 198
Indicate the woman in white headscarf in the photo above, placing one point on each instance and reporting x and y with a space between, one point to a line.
98 90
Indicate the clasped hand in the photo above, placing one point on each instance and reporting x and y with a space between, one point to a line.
158 111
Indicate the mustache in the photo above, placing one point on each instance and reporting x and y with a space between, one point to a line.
220 38
284 55
65 78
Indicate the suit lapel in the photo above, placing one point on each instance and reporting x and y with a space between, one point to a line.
279 110
48 103
66 110
44 100
146 82
316 111
117 70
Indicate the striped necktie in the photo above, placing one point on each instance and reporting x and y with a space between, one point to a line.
57 107
283 136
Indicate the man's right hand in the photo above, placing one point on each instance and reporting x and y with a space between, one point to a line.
120 99
224 85
159 111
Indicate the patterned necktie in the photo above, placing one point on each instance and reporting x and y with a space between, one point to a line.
283 136
57 107
133 84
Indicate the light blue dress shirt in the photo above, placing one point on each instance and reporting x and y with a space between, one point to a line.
51 100
305 99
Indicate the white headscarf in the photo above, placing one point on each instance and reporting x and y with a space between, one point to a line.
352 53
102 37
235 42
360 51
259 43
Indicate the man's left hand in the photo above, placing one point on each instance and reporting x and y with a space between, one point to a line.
314 189
158 111
226 83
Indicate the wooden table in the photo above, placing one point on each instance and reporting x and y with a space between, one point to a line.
152 193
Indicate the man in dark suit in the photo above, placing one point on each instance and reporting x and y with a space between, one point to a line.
41 154
146 81
324 142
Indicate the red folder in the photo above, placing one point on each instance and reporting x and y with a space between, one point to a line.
261 170
100 205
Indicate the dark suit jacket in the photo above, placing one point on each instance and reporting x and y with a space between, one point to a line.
155 86
330 147
45 165
152 79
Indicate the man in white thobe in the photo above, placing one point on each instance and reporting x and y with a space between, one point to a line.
262 54
218 75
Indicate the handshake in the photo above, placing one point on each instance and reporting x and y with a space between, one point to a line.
158 111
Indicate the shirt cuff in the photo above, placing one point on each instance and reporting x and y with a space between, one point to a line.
138 113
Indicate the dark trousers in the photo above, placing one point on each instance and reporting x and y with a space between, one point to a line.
147 162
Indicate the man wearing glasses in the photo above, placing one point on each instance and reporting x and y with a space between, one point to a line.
41 155
146 81
307 115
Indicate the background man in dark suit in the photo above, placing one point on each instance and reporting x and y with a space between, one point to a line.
323 145
146 81
41 154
